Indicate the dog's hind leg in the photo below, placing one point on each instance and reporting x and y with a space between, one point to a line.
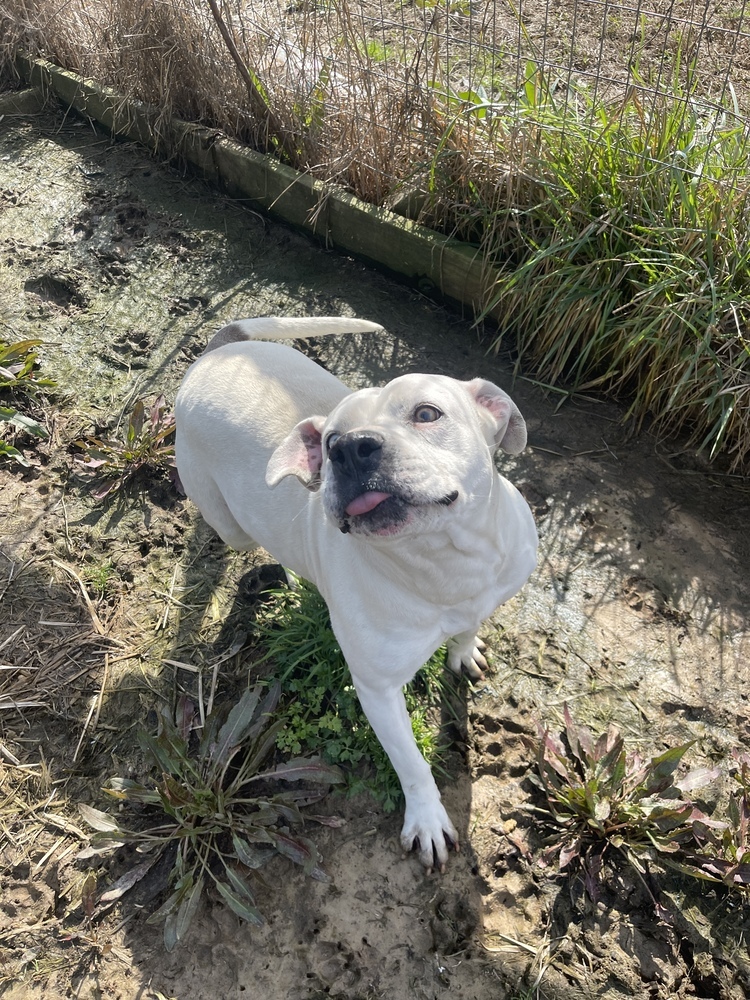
219 516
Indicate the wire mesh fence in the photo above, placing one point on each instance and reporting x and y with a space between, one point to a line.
362 92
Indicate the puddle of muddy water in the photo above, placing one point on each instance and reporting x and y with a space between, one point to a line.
635 616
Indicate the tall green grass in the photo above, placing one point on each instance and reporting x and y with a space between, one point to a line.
620 237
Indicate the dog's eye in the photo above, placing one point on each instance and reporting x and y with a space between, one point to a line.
331 440
425 413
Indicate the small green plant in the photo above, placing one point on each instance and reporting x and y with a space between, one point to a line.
100 576
374 50
223 813
462 7
19 378
605 797
320 711
722 853
148 444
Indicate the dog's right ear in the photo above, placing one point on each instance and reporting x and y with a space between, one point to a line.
300 454
510 427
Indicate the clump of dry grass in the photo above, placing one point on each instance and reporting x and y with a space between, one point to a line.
333 109
615 217
52 640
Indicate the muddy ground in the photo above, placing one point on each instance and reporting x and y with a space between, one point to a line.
636 616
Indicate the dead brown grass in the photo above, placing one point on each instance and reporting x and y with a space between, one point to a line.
316 96
52 642
355 92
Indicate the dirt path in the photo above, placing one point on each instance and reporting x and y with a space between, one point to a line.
636 615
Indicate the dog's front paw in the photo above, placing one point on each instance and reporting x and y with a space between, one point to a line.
428 828
465 654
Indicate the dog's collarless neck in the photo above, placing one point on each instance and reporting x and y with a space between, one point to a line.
443 567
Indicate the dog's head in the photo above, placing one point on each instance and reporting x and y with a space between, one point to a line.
396 460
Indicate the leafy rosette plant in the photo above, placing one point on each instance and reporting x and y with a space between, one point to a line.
18 377
148 443
602 796
723 850
217 807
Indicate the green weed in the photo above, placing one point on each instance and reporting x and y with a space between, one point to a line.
462 7
18 380
603 797
320 711
215 805
148 444
100 576
375 50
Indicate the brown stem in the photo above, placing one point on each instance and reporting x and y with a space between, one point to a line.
258 102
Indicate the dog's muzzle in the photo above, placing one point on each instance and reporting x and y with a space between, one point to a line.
355 462
367 498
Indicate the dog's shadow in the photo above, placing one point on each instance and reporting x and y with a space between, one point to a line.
255 589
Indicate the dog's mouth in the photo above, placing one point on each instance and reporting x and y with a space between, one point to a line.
384 513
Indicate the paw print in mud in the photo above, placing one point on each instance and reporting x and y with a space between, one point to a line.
54 293
130 349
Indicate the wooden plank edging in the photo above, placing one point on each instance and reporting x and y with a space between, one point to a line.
377 235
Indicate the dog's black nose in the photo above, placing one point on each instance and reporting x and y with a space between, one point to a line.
357 453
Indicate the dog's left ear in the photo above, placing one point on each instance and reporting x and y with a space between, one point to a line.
300 454
510 427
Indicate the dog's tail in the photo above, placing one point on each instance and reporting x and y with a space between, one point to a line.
288 328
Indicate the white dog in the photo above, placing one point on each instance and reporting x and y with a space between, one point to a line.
405 526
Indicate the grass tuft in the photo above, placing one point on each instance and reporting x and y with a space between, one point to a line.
629 268
214 809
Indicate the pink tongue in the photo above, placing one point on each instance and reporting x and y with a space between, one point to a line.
368 501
